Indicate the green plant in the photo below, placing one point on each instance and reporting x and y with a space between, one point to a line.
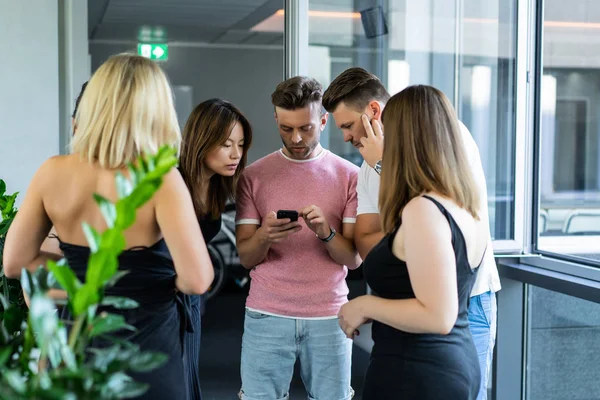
45 361
9 288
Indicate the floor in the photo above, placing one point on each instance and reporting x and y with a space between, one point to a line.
221 345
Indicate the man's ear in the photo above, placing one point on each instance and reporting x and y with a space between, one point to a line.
376 109
324 119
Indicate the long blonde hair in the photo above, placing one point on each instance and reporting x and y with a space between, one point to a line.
423 152
127 109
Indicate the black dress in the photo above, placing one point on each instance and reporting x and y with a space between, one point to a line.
420 366
210 228
160 319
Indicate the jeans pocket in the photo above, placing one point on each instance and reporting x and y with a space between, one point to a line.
484 302
255 314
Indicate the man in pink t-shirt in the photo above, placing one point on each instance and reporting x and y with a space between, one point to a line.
298 267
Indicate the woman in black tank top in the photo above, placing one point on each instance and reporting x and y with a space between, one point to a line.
216 139
420 273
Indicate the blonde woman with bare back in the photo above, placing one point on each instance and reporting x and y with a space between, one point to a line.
127 108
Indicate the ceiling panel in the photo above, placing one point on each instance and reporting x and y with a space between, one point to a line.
220 21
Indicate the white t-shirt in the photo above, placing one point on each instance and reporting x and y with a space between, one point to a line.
367 190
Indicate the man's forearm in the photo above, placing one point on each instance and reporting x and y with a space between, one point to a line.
365 242
253 251
342 251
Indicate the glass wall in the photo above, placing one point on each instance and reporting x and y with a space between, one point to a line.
466 48
564 350
569 203
230 49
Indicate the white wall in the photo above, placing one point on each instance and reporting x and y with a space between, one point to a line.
29 96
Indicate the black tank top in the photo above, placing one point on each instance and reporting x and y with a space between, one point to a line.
423 366
160 319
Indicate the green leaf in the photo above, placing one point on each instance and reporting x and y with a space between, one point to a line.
125 214
43 320
65 277
5 354
143 192
92 236
123 387
147 361
104 357
107 209
86 296
133 176
2 187
53 350
161 170
107 323
101 267
113 240
3 300
65 351
13 319
10 203
41 279
16 381
115 278
120 302
27 282
124 186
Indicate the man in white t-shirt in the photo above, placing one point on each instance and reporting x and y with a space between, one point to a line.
357 97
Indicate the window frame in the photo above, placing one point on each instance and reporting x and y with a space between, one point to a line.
558 262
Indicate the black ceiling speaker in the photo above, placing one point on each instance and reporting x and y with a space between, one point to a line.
373 21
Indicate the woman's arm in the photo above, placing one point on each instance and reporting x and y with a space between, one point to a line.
431 263
30 227
178 224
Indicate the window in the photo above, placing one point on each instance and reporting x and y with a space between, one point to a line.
563 347
569 203
465 48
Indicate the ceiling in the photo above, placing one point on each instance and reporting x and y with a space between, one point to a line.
204 21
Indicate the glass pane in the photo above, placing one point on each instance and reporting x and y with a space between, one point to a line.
564 350
229 49
569 220
465 48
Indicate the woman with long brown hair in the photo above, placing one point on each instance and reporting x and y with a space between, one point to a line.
422 271
216 139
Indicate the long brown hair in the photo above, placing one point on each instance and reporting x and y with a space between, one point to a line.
209 126
423 152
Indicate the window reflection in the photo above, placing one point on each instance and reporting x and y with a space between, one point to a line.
569 220
465 48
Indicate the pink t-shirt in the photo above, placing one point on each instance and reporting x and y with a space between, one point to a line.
298 278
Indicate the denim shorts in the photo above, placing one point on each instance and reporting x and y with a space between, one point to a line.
271 345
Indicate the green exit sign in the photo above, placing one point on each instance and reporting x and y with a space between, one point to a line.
154 51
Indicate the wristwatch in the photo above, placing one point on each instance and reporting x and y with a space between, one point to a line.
328 238
377 167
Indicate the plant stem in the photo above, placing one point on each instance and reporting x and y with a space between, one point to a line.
75 331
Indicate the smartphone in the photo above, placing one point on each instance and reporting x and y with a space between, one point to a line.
291 214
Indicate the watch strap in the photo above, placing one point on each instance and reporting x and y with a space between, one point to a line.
328 238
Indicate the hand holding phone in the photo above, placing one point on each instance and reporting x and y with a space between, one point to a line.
275 229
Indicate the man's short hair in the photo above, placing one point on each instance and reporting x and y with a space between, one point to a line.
297 92
355 87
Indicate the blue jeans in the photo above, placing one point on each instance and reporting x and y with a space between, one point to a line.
482 322
271 345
